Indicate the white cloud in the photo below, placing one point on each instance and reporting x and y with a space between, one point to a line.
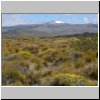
14 19
85 20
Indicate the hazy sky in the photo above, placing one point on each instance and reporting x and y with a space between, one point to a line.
16 19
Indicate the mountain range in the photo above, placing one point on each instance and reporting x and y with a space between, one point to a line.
48 29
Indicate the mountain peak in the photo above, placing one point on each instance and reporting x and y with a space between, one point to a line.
56 22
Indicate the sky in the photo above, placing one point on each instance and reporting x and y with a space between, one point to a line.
18 19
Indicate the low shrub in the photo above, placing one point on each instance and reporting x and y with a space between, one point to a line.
69 80
33 78
38 62
24 54
11 76
91 71
47 52
89 57
23 66
79 63
17 83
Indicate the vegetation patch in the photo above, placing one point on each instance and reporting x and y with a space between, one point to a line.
57 61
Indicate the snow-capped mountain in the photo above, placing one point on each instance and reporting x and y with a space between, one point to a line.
48 29
56 22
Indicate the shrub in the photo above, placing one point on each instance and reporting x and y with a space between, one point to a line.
23 66
69 80
28 47
46 72
31 47
5 52
44 81
33 78
47 52
17 83
89 57
86 43
11 76
24 54
38 62
48 55
91 71
79 63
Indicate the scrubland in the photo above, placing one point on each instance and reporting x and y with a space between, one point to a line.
58 61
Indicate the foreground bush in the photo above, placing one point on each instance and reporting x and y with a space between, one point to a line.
33 78
91 71
24 54
11 77
70 80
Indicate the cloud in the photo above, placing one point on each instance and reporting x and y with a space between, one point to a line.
11 20
14 19
85 20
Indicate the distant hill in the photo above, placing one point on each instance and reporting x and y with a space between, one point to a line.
49 29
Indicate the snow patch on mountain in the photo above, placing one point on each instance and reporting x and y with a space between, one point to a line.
56 22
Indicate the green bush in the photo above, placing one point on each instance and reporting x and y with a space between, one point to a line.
86 43
69 80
